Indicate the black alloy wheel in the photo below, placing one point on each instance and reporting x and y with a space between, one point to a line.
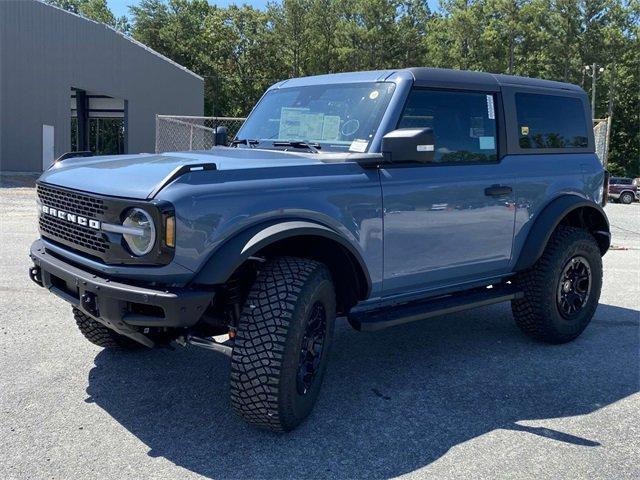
574 287
312 348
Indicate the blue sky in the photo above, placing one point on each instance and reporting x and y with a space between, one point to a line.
119 7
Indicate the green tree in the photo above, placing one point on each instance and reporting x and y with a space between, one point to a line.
97 10
240 51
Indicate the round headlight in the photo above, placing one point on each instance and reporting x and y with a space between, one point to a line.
142 235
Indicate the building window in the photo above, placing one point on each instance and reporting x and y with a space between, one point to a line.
463 123
550 121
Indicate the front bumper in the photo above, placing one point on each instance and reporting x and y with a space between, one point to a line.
125 308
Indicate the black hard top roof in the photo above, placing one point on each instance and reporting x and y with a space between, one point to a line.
440 77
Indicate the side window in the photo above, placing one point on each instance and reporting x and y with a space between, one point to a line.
464 123
550 121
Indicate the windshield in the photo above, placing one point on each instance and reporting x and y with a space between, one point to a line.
339 117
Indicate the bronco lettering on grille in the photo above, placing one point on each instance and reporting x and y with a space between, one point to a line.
70 217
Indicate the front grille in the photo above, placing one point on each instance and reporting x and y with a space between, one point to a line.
104 246
72 233
76 234
72 202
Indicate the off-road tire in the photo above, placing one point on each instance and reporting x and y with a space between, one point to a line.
537 314
102 336
626 198
268 342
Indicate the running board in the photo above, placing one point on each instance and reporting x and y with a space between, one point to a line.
369 321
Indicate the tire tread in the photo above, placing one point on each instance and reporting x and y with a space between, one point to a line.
260 342
528 311
100 335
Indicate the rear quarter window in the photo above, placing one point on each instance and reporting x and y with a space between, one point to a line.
550 121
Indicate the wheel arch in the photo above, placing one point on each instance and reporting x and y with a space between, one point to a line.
569 210
302 238
630 192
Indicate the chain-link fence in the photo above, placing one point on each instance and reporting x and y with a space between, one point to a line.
181 133
601 133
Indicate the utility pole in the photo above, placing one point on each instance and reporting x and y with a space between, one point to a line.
593 71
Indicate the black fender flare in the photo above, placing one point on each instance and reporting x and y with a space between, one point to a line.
591 216
224 261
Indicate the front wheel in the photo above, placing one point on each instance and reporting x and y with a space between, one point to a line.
562 289
282 343
626 198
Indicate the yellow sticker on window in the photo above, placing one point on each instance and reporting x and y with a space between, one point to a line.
524 130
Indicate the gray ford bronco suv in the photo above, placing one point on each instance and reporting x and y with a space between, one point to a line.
378 197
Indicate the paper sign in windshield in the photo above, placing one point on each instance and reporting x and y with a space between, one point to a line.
331 127
311 126
359 146
301 124
291 120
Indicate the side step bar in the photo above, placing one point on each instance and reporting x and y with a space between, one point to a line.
369 321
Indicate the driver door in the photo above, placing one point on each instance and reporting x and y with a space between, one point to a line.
451 221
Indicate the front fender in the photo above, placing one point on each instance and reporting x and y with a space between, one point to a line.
234 252
591 216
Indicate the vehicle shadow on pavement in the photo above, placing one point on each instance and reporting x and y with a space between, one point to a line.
392 402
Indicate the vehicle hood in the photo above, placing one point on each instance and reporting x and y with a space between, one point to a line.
137 176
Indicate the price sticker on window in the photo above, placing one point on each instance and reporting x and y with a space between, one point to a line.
490 108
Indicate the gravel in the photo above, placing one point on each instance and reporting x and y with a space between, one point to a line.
463 396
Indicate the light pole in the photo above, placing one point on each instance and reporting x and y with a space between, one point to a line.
593 71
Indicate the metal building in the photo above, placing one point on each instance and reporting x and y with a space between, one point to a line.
68 83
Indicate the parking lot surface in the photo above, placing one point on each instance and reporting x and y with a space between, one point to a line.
462 396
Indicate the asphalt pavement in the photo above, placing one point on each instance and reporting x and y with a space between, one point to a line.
462 396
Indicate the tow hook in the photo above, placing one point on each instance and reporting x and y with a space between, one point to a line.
35 273
221 343
89 304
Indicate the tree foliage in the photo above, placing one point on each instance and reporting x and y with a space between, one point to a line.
97 10
241 50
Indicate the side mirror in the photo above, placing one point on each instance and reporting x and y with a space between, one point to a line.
409 145
220 135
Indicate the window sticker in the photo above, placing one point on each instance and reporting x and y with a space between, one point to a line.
311 126
373 95
359 146
487 143
490 109
477 127
290 121
331 127
524 130
300 123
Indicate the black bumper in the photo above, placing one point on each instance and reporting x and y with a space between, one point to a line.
120 306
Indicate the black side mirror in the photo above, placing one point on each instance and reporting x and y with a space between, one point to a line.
409 145
220 135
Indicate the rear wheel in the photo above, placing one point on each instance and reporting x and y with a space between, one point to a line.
626 198
102 336
282 343
561 291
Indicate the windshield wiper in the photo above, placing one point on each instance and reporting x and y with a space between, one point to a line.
313 147
249 142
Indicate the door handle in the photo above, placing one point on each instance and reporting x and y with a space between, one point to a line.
497 190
